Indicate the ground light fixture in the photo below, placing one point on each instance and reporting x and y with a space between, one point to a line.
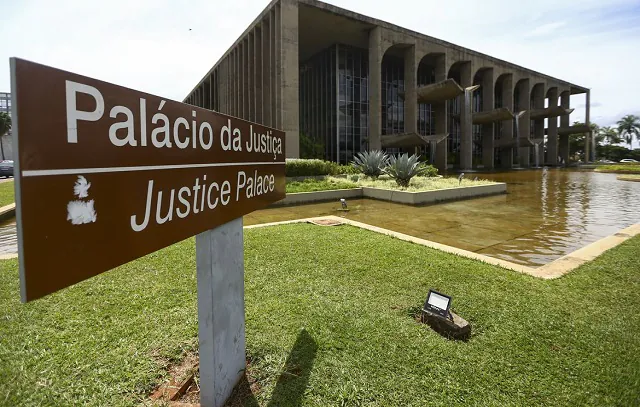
343 204
437 303
436 312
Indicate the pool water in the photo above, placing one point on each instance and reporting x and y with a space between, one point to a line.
544 215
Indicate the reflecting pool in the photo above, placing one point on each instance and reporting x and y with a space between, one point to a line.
544 215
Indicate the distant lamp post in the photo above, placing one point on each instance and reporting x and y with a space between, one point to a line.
343 204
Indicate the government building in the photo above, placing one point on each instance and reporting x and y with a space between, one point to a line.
337 83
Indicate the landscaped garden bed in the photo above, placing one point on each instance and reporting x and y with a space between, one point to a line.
421 190
332 322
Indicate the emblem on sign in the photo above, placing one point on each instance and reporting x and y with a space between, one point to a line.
81 211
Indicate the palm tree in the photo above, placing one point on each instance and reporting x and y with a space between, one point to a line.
610 135
5 127
629 127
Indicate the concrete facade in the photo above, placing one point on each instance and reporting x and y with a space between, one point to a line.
259 79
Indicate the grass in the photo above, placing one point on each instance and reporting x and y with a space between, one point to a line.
311 185
330 322
629 177
417 184
620 168
6 193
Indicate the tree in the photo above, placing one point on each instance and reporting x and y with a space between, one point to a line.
629 127
5 127
610 135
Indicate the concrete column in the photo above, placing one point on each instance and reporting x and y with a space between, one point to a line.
440 113
506 153
221 326
258 72
246 89
251 86
375 88
525 121
236 87
466 124
289 76
563 144
410 91
274 85
538 103
488 102
213 87
223 86
552 131
266 70
587 121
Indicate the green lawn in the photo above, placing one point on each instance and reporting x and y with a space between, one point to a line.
311 185
6 193
629 177
329 323
620 168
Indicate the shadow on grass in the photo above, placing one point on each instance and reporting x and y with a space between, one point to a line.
291 383
294 379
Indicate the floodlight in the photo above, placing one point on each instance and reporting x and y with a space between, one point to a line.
437 303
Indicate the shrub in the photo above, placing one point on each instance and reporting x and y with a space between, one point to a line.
429 170
309 168
403 168
345 170
371 163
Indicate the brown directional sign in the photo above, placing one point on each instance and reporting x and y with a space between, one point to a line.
106 174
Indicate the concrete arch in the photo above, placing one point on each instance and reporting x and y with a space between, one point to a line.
521 84
478 73
550 90
538 95
389 39
436 60
461 72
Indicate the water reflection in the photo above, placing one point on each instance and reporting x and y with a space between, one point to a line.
8 239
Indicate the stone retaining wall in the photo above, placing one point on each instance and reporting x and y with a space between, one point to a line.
403 197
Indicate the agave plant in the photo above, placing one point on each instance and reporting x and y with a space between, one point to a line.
371 163
403 168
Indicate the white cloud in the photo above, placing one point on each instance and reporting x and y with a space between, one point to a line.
545 29
148 45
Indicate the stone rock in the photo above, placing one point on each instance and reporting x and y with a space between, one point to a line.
454 327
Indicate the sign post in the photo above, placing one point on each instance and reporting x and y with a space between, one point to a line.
106 174
220 264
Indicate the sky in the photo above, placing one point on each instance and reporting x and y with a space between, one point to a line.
165 47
